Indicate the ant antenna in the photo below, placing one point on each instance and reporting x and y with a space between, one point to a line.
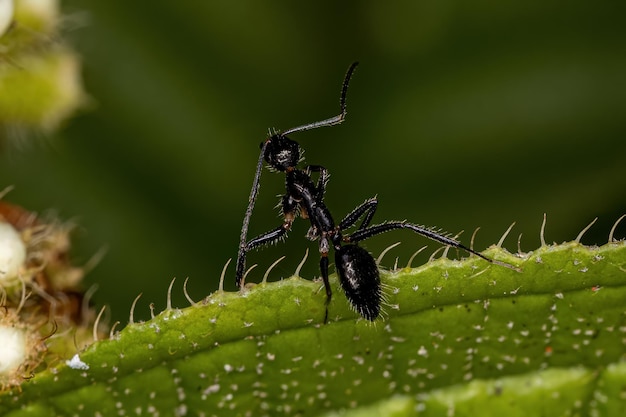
241 255
333 120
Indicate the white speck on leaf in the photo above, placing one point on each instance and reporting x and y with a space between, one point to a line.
76 363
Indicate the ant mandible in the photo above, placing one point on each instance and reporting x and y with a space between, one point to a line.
357 269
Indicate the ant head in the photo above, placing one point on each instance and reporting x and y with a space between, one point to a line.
281 152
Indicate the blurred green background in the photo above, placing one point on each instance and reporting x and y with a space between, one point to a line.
462 114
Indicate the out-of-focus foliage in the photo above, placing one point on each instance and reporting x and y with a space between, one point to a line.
461 114
40 83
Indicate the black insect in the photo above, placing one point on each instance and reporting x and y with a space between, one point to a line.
304 197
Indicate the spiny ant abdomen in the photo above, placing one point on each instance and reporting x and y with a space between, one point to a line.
360 280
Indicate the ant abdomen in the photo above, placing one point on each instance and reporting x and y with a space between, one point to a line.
360 280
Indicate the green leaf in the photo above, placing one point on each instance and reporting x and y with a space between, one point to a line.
460 337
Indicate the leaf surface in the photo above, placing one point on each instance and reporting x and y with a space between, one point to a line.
461 337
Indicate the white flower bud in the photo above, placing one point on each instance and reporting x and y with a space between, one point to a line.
6 15
12 252
12 350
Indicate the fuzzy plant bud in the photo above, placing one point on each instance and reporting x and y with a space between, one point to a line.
40 82
6 15
12 254
37 15
12 349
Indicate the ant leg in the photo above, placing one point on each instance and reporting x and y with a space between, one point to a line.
367 208
289 210
266 238
363 234
322 180
329 293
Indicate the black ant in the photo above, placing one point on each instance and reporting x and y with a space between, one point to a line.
357 269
